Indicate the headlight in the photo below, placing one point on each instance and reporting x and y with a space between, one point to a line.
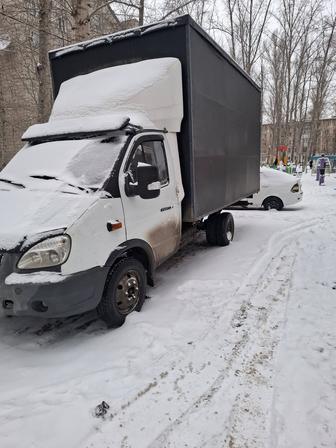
295 188
50 252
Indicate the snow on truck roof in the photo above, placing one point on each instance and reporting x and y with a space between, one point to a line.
57 52
139 31
147 94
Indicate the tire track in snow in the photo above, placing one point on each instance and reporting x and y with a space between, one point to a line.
250 417
243 322
246 412
278 433
247 368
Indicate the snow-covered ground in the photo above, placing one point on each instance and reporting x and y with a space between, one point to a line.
236 348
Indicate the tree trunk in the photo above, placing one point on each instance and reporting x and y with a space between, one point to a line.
2 125
232 30
43 94
141 12
80 15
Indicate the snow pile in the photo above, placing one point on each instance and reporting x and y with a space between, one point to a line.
149 93
152 88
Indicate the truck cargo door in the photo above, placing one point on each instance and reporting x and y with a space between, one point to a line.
158 220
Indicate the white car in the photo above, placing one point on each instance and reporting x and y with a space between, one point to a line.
277 190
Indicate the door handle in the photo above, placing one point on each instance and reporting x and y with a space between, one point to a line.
164 209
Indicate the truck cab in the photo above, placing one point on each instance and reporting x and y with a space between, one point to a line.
112 198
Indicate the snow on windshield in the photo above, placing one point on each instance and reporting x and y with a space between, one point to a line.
85 163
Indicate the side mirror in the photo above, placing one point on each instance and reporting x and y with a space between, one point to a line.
148 182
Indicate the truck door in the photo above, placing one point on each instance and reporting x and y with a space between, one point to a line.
157 220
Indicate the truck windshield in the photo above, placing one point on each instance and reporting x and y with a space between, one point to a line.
81 164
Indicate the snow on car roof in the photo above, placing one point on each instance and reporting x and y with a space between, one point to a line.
276 176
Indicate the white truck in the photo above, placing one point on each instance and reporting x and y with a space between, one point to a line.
152 132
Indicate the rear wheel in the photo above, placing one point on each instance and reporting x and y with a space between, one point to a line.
211 230
125 291
220 229
273 202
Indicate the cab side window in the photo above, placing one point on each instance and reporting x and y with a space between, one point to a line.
153 153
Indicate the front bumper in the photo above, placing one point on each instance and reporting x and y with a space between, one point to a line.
293 199
48 294
299 196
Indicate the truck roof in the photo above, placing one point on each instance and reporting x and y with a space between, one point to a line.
140 31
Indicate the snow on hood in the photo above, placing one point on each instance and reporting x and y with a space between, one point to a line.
148 93
27 213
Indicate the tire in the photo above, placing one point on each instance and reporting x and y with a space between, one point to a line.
273 202
220 229
125 291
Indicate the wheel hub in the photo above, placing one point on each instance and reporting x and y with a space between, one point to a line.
128 292
132 288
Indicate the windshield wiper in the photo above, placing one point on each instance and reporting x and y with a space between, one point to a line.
12 182
46 177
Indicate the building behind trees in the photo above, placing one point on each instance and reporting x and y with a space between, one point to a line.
298 144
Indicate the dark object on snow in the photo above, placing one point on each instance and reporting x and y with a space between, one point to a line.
219 142
101 409
321 164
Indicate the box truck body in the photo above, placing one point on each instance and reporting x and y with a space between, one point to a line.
153 132
219 142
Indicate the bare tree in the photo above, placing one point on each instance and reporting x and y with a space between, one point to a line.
323 71
42 68
34 27
244 28
291 55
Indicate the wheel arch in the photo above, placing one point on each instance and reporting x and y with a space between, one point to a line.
138 249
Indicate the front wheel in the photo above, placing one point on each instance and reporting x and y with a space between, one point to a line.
125 291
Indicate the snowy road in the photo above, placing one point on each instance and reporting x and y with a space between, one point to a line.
236 347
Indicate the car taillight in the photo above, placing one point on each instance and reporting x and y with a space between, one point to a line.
295 188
